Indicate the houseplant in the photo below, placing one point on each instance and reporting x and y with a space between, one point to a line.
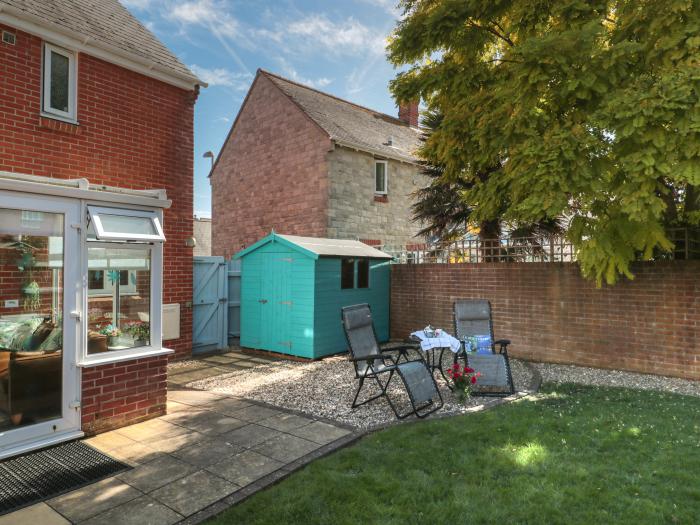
140 331
112 332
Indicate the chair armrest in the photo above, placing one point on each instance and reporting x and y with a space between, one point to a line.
503 343
370 359
399 348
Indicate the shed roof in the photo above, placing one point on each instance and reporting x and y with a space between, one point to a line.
317 247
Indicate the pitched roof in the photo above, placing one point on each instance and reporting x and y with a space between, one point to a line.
350 124
320 247
105 22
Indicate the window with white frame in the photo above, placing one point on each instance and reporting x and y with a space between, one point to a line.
380 177
59 87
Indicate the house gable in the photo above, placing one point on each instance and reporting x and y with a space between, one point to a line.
271 172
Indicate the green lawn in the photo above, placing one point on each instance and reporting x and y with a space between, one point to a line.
573 455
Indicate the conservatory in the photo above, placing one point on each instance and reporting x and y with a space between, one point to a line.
80 286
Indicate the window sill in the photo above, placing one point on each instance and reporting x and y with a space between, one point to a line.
119 356
381 198
61 126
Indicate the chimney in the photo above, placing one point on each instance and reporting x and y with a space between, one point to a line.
408 112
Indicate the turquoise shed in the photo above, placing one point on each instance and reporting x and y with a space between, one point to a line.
293 289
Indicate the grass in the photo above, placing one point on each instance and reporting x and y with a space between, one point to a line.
573 454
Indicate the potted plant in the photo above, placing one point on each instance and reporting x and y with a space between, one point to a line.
140 331
113 333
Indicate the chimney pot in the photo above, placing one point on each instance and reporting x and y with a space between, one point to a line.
408 112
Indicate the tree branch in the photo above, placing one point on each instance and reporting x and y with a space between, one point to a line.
492 31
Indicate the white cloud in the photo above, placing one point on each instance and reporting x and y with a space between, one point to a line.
207 13
291 73
225 120
136 4
349 36
222 77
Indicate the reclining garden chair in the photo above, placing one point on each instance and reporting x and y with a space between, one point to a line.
372 362
472 318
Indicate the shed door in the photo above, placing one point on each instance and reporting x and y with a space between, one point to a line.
276 302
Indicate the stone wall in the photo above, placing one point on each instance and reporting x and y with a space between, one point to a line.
650 324
355 212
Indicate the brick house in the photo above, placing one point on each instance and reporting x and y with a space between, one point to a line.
96 156
307 163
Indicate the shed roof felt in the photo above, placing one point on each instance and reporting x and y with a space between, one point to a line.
320 247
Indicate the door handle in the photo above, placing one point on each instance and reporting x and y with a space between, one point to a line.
262 301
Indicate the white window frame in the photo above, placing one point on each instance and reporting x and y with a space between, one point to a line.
386 177
95 212
47 110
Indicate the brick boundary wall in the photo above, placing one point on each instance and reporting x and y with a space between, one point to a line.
120 394
650 324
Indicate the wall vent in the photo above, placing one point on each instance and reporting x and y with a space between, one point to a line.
9 38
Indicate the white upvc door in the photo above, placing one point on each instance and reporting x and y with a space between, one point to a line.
45 231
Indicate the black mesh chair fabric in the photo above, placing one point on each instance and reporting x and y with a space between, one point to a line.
363 346
472 317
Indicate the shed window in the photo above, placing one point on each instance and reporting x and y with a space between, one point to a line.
363 273
113 224
380 177
59 86
347 274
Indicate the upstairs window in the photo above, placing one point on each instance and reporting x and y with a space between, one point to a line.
380 177
59 86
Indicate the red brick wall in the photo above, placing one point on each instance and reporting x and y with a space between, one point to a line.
650 324
133 132
124 393
271 173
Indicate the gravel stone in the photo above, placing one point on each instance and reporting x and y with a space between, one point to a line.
616 378
326 388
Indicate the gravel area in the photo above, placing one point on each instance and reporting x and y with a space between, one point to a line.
599 377
326 388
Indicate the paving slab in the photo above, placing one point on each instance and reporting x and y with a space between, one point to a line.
208 422
244 468
320 432
136 454
172 444
286 448
194 492
193 397
255 413
150 430
140 511
285 422
39 514
93 499
207 452
110 441
250 435
156 473
227 405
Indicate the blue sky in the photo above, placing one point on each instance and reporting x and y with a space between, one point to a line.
334 45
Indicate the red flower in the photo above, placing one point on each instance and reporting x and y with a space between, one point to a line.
473 380
468 370
455 366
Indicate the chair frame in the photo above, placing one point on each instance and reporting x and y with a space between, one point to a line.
503 349
394 366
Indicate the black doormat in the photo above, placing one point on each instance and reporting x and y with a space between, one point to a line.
36 476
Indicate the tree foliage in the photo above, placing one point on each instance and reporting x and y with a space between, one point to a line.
586 109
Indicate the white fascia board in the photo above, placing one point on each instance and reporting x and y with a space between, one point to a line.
84 44
81 189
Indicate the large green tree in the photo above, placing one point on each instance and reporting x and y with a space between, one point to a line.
574 108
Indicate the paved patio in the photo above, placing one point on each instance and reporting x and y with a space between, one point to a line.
209 452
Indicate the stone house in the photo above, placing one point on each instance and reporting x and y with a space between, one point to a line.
96 155
304 162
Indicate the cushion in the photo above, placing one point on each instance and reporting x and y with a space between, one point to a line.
53 342
7 332
23 331
32 343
